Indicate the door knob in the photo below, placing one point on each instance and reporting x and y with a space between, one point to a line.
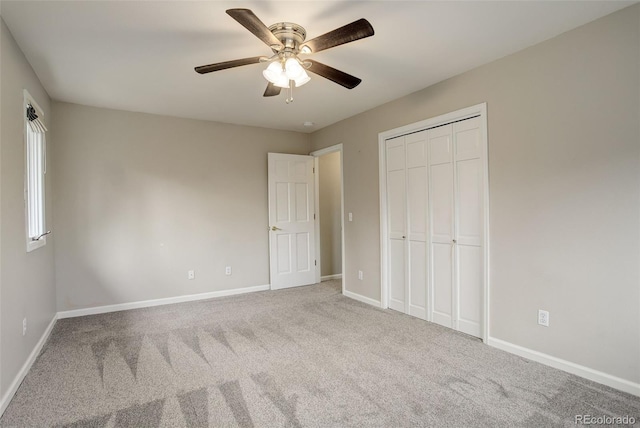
275 228
454 241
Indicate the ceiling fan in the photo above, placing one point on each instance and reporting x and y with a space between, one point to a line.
287 41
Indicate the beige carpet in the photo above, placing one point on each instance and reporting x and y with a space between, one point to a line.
300 357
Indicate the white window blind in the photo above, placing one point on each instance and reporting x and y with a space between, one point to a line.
36 169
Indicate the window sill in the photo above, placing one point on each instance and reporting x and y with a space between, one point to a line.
34 245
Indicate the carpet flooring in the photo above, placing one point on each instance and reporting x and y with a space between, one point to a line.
299 357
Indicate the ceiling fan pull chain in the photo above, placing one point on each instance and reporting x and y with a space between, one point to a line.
290 99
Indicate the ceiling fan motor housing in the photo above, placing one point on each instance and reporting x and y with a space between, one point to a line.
290 35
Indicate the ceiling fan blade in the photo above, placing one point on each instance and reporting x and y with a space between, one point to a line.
203 69
251 22
337 76
349 33
272 90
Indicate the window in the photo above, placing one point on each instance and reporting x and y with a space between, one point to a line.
35 169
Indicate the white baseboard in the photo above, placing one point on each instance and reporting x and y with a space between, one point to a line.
159 302
361 298
6 399
330 277
567 366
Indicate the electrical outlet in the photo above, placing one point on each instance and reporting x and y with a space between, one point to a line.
360 275
227 270
191 274
543 318
24 327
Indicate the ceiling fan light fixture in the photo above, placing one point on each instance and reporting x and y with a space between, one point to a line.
283 82
293 68
276 75
304 78
273 72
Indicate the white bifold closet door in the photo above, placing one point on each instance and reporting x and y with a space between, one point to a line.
397 217
455 213
435 243
407 202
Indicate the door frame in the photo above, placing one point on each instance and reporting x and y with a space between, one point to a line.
465 113
316 154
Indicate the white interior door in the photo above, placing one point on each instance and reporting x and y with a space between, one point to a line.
291 220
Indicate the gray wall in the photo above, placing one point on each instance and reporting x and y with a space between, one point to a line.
564 163
27 279
141 199
330 227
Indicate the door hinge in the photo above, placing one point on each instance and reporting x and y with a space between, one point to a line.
315 263
314 169
314 216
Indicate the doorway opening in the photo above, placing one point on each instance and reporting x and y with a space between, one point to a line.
329 214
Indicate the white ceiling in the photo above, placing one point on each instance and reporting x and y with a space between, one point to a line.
139 55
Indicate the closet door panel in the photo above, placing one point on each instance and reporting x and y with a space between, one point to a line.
469 182
416 150
441 222
395 154
397 215
418 279
417 203
396 195
416 144
470 289
417 232
396 188
442 284
397 275
417 185
469 215
467 135
441 194
440 147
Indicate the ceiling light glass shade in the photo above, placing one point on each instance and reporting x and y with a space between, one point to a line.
293 68
273 71
283 82
276 75
304 78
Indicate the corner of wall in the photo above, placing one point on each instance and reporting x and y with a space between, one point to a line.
27 279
